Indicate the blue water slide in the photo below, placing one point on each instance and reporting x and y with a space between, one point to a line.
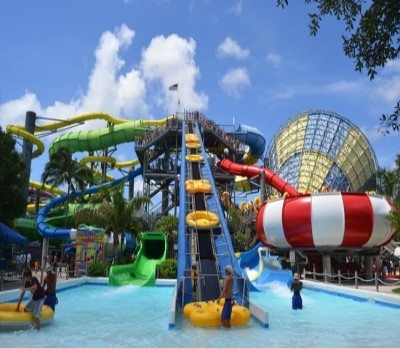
252 137
59 233
261 269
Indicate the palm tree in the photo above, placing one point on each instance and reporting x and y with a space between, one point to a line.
113 212
62 169
169 224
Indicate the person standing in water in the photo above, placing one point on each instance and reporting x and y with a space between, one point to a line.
227 294
297 285
35 304
49 284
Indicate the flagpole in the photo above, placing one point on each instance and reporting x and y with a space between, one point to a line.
179 100
175 87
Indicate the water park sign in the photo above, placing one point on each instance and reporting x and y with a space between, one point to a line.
89 245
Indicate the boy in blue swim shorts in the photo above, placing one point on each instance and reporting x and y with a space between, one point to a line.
227 294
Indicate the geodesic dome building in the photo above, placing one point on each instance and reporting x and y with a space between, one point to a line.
318 149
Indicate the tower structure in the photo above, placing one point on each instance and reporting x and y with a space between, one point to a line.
319 150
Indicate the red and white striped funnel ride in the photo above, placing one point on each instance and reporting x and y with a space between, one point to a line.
325 221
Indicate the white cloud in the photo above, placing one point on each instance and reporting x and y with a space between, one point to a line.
342 86
13 111
170 60
393 66
386 86
237 8
274 59
230 48
117 93
166 60
108 90
234 81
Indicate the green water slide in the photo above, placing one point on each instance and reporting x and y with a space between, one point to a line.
142 272
99 139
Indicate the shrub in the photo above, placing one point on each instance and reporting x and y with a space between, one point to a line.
167 270
98 269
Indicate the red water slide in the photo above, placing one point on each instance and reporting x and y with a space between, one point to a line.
251 170
333 220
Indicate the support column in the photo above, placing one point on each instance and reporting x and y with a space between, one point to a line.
131 191
45 251
368 266
27 146
262 187
164 198
326 264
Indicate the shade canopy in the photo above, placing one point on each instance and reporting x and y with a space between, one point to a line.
8 235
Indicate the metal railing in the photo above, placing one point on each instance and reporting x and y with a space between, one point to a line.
349 279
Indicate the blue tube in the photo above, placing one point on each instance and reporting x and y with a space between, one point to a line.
48 232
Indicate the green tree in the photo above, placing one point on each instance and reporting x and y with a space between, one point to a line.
389 185
12 180
169 225
110 210
241 226
62 169
371 39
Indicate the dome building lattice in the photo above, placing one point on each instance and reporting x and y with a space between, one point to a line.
318 149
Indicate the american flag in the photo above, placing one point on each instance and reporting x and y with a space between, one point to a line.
173 87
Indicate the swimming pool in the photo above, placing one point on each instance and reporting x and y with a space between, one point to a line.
99 316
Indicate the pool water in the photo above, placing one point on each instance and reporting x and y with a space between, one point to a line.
99 316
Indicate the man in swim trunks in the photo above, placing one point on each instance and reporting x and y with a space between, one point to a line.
35 304
297 285
49 284
227 294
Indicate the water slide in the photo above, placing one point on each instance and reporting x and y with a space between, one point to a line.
50 232
332 220
260 268
255 141
251 171
123 130
210 245
142 272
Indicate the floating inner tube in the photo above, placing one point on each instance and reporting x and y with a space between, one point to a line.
198 186
257 203
202 219
208 314
12 320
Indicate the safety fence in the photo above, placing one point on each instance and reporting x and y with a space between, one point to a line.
349 280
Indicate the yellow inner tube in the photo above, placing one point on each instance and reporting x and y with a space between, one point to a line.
198 186
193 145
257 203
191 138
11 319
208 314
202 219
194 158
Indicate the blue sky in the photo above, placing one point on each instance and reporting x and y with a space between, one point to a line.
246 61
